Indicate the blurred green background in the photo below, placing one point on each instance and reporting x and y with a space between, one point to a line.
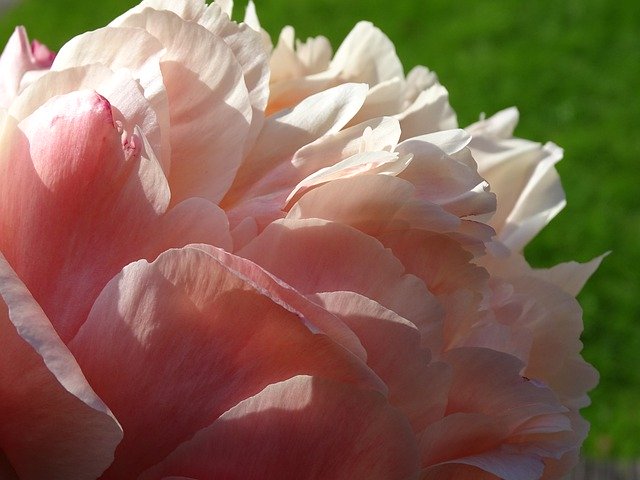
573 69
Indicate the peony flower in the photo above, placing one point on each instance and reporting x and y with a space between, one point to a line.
226 259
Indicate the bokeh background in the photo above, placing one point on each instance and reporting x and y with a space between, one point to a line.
572 67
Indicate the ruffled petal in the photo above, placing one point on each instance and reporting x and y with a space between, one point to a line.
570 276
430 112
500 431
185 9
172 345
316 318
266 177
18 58
446 269
367 55
54 425
374 204
444 172
318 256
209 106
303 427
125 94
417 386
247 44
523 176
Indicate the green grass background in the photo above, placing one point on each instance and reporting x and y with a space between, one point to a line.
572 67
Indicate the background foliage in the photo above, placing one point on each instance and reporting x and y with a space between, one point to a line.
573 69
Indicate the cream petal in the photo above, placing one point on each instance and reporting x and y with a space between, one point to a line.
112 47
226 6
367 55
185 9
570 276
251 19
284 63
430 112
383 99
374 204
209 105
366 163
419 79
266 176
499 125
315 53
539 202
379 134
286 94
248 47
450 180
523 176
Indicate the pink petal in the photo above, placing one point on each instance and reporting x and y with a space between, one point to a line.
446 269
317 319
18 58
500 431
459 435
211 339
512 397
456 472
504 464
54 426
554 319
303 427
69 186
125 95
318 256
417 387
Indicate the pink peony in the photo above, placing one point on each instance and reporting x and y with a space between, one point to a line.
225 259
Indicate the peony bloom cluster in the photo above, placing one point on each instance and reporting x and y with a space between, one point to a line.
223 258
